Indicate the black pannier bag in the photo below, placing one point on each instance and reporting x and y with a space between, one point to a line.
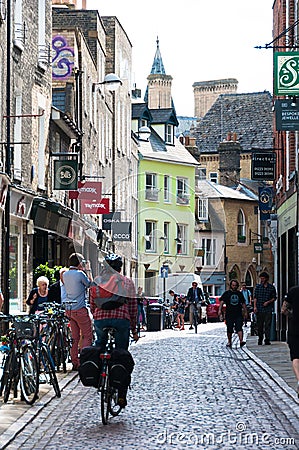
90 366
121 366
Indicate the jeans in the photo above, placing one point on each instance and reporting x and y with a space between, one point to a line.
142 313
122 334
264 324
81 326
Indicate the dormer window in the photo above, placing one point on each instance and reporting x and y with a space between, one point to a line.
169 134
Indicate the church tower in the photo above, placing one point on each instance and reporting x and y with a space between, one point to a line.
158 92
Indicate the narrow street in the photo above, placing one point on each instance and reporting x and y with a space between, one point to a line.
188 391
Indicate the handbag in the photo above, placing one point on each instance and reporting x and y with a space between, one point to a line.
287 309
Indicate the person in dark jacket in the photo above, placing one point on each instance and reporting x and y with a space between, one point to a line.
194 298
55 288
263 299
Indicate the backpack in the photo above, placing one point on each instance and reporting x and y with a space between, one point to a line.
90 366
108 292
121 365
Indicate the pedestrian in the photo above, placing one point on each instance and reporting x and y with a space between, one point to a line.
235 309
76 281
248 300
140 306
263 300
55 288
38 295
290 307
181 311
123 318
194 299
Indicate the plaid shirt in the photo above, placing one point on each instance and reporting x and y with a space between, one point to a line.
262 294
127 311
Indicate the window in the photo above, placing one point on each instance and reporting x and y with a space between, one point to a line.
202 173
182 191
41 142
209 246
214 177
151 191
169 134
181 239
203 213
150 236
18 25
241 227
166 188
17 163
166 237
43 57
58 99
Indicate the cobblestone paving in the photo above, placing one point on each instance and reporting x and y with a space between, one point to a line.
188 392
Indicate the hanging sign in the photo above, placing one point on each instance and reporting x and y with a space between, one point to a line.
287 115
94 207
263 166
286 73
122 231
65 174
109 219
91 190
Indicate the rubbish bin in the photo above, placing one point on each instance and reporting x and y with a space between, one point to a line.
154 316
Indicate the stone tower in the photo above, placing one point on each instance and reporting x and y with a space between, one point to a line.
158 92
207 92
229 160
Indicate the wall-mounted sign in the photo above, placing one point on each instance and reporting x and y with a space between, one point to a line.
109 219
287 115
65 174
286 73
94 206
122 231
265 202
258 247
263 166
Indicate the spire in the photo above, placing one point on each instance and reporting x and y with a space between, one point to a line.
158 66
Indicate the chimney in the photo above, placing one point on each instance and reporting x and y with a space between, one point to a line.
229 160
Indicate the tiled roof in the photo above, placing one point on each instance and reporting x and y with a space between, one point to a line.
213 190
249 115
164 115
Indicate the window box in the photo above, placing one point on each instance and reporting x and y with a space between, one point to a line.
183 199
241 239
151 194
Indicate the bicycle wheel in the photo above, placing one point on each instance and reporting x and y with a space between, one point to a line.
105 399
115 409
59 351
29 379
7 376
47 368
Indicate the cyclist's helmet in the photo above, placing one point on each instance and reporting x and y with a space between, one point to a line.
114 261
182 295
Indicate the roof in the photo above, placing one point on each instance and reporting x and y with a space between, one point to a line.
140 111
213 190
249 115
164 115
158 66
156 149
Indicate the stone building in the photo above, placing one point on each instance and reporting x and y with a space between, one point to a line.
207 92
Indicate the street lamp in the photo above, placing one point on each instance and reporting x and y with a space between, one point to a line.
144 133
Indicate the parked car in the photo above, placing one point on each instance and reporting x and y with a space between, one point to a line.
213 307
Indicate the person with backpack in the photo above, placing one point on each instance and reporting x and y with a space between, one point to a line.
113 303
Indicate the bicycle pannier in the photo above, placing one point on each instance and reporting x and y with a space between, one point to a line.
121 366
90 366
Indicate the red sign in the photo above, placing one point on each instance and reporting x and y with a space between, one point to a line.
90 190
94 206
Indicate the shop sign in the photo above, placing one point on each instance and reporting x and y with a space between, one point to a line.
109 219
258 247
122 231
65 174
286 115
286 73
87 190
20 204
94 206
265 202
263 166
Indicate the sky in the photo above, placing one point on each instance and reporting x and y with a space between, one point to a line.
200 40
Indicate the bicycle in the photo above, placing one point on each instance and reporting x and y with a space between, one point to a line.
46 366
196 319
108 393
20 365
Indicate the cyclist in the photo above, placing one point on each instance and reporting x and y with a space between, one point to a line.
122 318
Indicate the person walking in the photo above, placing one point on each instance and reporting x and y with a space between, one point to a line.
123 317
291 300
76 281
181 311
248 300
263 300
194 298
140 306
235 308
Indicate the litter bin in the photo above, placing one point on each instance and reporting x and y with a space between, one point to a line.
154 316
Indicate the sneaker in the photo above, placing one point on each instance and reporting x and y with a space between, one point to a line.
267 343
75 368
122 402
229 345
242 343
260 342
191 328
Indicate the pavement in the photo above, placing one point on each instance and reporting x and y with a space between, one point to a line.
271 362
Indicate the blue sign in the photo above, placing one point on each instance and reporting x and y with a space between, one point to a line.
265 202
164 272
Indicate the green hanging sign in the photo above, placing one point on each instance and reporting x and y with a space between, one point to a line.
65 175
286 73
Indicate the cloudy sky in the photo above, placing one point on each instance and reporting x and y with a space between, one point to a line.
200 40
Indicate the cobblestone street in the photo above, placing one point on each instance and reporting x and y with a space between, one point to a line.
188 391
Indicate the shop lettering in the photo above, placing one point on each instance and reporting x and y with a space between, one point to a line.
122 236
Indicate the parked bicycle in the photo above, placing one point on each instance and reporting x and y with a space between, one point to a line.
20 364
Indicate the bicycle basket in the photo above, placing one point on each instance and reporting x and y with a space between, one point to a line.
25 329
